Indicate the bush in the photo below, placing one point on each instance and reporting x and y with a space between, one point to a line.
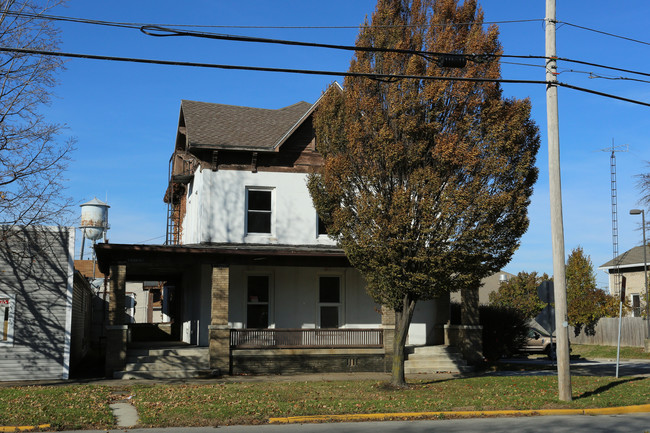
505 330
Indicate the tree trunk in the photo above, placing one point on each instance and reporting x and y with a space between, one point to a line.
402 323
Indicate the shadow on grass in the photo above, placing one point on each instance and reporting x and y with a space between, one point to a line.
607 387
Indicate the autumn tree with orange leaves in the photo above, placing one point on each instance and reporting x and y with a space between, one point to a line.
425 183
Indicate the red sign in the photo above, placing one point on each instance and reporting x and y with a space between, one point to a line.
4 301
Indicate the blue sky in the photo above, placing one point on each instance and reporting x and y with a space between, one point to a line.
124 116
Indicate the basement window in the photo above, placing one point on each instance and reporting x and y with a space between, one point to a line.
7 315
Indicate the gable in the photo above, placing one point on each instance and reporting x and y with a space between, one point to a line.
228 127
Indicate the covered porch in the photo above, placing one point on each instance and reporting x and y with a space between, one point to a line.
216 306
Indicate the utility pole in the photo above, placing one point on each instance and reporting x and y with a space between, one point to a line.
557 226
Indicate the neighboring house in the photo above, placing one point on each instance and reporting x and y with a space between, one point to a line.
630 265
44 304
255 276
488 285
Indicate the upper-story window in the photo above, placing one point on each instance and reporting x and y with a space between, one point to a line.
321 230
259 204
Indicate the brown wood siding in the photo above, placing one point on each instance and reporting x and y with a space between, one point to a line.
296 155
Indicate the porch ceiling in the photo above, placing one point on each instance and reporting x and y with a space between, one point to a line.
152 262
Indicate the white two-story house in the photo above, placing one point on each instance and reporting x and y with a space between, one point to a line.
255 277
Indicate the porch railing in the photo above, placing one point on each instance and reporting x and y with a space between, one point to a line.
305 338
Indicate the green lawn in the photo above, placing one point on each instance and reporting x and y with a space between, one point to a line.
255 403
63 407
588 351
84 406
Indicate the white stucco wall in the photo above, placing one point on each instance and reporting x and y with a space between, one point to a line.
294 302
216 209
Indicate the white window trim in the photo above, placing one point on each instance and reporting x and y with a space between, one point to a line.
271 303
273 212
340 304
12 317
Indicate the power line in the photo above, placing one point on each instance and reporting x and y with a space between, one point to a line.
261 27
605 33
158 31
174 32
374 76
213 26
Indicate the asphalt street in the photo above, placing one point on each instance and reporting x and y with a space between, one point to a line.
537 424
580 367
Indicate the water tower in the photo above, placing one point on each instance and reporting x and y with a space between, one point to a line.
94 221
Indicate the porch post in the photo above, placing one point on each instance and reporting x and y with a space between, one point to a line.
471 332
388 325
116 328
219 329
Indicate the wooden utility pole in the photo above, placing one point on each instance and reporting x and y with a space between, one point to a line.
557 226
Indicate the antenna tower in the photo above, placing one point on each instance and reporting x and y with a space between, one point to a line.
612 166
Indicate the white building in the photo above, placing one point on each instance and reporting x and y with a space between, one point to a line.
256 278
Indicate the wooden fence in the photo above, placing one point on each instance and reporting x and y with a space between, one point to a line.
305 338
633 332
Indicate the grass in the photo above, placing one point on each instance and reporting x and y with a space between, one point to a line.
85 406
224 404
589 351
63 407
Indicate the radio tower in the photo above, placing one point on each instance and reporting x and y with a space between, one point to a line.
612 166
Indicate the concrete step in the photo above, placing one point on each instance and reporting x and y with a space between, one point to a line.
166 365
174 359
168 351
172 374
423 363
180 362
434 359
440 369
432 350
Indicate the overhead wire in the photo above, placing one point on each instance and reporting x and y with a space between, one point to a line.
169 27
375 76
158 31
217 26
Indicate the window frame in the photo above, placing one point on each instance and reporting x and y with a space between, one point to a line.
11 299
271 211
339 305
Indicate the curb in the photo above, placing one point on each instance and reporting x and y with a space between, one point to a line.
460 414
23 427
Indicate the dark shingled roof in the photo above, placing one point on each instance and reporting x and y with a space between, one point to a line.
628 259
234 127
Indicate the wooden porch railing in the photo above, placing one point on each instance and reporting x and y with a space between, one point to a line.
305 338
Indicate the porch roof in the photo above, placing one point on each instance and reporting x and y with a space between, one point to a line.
146 262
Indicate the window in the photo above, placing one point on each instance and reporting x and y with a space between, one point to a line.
636 305
257 309
329 301
322 230
259 205
7 313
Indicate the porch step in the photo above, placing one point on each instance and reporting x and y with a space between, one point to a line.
180 362
434 359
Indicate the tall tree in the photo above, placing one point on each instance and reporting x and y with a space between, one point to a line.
520 293
425 183
32 157
586 303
